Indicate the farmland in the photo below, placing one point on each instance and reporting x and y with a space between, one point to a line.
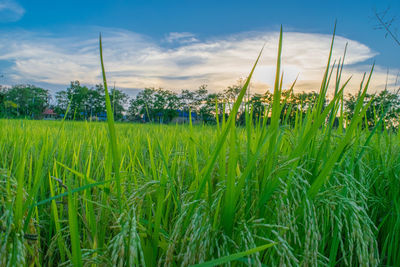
276 192
351 218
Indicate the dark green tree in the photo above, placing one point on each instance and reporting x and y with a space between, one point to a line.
87 103
384 103
95 101
257 104
27 100
142 106
2 100
200 96
78 95
187 100
62 102
118 100
208 110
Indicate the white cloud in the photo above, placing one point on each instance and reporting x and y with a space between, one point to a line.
135 61
181 37
10 11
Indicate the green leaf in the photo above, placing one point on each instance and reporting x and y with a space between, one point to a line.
233 257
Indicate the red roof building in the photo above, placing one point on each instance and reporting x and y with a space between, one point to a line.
49 113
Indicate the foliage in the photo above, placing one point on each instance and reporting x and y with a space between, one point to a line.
155 105
159 105
118 100
24 101
88 103
384 103
2 100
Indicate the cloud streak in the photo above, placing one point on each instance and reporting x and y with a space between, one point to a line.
10 11
136 61
181 38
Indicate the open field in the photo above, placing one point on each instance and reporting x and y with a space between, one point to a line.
316 190
254 195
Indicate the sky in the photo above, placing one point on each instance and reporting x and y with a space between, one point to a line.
183 44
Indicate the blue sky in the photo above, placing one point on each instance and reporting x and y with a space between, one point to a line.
183 44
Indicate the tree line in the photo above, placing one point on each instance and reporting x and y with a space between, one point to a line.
164 106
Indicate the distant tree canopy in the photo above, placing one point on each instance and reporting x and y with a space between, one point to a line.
86 103
23 101
162 106
2 100
384 104
158 105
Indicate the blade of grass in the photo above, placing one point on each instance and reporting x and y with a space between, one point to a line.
233 257
111 128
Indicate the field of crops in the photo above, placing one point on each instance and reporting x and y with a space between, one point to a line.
306 192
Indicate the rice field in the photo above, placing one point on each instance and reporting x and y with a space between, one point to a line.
300 193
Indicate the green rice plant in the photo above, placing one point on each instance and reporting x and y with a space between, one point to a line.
73 226
125 246
111 128
232 257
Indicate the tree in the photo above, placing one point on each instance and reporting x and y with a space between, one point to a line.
258 103
193 100
87 103
62 102
118 100
78 96
142 106
30 101
230 94
385 103
187 100
200 96
95 101
156 105
2 99
209 108
171 104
